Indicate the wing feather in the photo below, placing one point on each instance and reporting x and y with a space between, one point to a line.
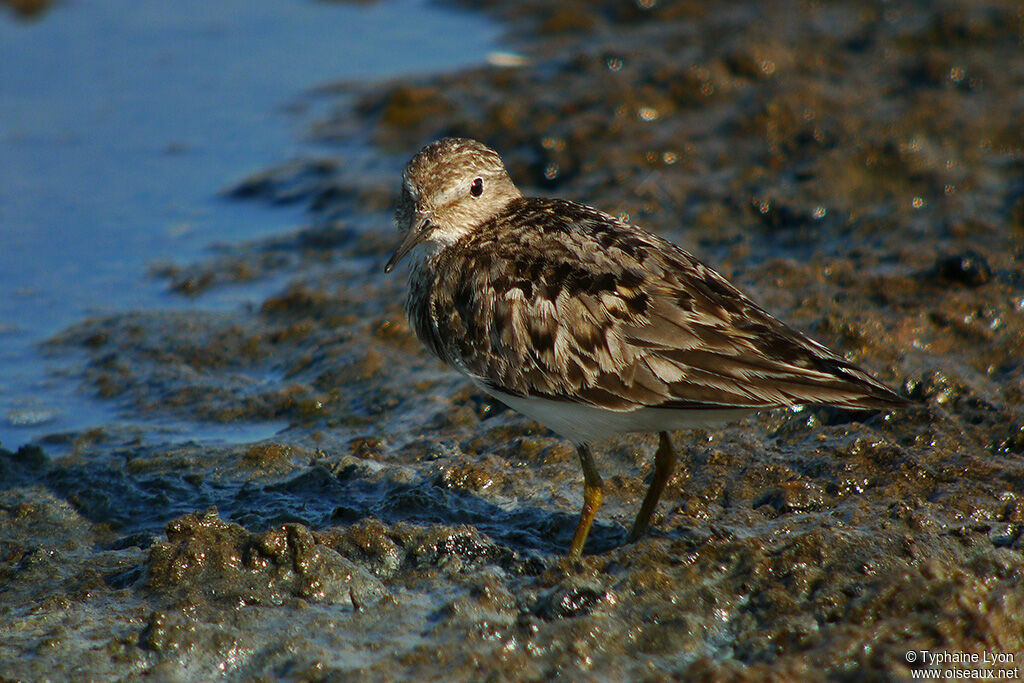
618 318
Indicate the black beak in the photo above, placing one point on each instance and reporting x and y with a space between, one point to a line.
416 234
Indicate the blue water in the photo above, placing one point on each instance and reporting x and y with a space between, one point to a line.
119 123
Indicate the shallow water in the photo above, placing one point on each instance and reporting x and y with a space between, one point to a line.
118 128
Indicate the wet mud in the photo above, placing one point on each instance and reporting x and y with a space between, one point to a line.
855 167
28 9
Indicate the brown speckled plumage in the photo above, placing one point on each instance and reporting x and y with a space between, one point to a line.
545 300
554 299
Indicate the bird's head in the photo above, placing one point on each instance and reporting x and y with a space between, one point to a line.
449 188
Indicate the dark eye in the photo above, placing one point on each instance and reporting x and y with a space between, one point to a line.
477 188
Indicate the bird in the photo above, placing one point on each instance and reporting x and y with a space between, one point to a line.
593 326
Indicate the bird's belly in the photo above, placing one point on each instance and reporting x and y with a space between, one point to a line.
582 423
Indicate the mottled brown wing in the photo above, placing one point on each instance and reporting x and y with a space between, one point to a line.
558 300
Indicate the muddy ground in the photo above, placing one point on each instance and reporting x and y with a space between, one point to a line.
855 167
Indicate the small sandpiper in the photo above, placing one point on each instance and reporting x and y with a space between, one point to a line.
590 325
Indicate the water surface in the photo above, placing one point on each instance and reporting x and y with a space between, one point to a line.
117 129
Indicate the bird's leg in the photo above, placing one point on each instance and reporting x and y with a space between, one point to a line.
592 494
664 463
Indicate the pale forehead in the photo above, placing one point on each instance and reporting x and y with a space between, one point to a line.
447 161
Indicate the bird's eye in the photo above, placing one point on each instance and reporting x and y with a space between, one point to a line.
477 188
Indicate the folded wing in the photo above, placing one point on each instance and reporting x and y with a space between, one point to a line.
602 313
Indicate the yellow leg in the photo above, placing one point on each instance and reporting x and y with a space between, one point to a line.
592 495
664 464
